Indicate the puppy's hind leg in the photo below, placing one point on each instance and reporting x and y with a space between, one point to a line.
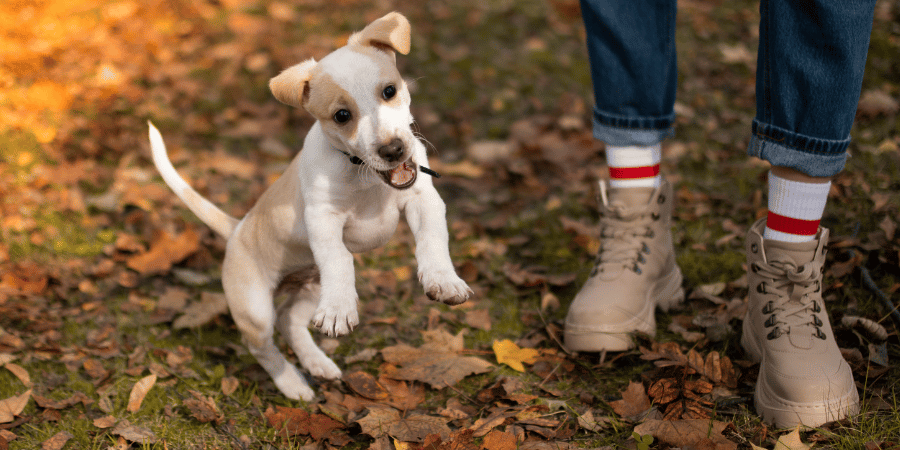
249 296
293 321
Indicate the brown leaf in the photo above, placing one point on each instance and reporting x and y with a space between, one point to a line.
203 408
365 385
105 422
499 440
229 385
47 403
57 441
437 362
20 373
664 391
13 406
139 391
211 304
634 401
95 370
697 433
165 251
295 421
133 433
479 318
413 428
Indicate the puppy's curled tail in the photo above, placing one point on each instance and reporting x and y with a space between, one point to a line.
210 214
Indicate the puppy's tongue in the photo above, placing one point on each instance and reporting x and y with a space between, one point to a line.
402 176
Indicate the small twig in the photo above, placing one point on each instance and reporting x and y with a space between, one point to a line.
541 384
458 392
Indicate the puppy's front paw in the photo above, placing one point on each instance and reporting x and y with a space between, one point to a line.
336 318
321 366
445 286
293 385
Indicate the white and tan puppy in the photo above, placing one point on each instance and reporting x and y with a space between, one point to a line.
359 169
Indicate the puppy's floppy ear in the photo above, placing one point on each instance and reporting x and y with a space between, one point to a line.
291 86
390 32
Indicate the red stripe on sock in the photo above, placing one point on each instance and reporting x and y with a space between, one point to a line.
790 225
634 172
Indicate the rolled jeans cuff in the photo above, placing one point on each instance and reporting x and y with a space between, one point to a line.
812 156
626 131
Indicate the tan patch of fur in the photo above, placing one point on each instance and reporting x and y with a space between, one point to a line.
325 98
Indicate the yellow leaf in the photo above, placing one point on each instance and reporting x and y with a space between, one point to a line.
791 441
513 356
139 391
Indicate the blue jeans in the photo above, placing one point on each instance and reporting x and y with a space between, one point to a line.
812 54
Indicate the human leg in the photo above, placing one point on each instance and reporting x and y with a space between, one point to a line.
811 61
633 69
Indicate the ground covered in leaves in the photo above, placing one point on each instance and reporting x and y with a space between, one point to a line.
114 331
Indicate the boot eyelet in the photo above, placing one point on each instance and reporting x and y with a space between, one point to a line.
770 322
645 248
654 216
816 307
754 248
641 259
768 309
754 268
761 288
819 334
636 269
661 199
774 334
650 234
817 322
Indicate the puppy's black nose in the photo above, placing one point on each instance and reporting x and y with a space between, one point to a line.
392 151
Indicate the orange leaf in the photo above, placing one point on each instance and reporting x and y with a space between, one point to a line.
139 391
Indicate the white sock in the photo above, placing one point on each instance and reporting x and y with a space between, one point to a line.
795 209
634 166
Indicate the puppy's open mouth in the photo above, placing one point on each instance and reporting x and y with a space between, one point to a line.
400 177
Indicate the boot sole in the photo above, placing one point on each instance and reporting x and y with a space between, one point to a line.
786 414
666 293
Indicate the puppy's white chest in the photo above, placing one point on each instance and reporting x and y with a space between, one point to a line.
370 225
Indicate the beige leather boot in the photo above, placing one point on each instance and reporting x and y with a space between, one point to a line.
802 377
635 271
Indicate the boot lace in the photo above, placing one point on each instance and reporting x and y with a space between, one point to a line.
622 239
794 304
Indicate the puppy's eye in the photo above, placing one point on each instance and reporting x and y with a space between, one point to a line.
342 116
389 92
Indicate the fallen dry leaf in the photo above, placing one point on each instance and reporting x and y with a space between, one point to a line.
296 421
13 406
697 433
105 422
203 408
57 441
791 441
499 440
512 355
139 391
365 385
197 314
634 401
20 373
437 362
413 428
229 385
133 433
165 251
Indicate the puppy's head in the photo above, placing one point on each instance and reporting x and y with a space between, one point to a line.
359 98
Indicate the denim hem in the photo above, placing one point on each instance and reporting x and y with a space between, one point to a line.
623 131
812 156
